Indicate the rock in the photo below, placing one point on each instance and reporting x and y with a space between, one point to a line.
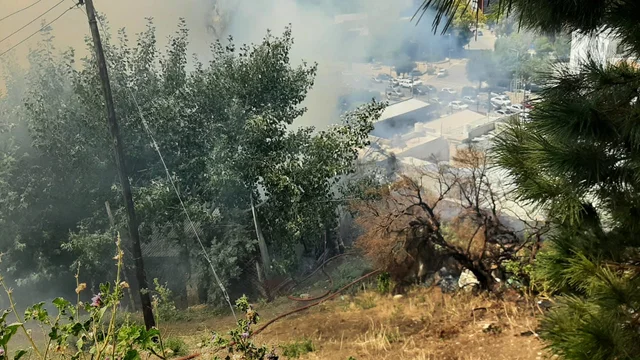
398 297
448 284
492 328
468 281
304 296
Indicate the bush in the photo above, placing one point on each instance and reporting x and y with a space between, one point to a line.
296 349
177 346
384 283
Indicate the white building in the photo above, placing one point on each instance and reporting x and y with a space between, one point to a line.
602 47
400 118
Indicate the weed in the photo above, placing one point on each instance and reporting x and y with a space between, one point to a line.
384 283
366 302
296 349
163 302
239 341
176 345
393 336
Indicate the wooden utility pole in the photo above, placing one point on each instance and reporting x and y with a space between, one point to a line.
134 235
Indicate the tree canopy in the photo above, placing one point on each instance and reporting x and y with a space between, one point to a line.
224 130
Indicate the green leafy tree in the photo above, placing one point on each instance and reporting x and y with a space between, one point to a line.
578 160
224 129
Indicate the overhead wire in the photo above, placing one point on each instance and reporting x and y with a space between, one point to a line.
35 32
19 11
31 22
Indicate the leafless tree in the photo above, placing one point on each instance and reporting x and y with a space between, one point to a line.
451 211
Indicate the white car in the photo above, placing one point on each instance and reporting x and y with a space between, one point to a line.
407 83
502 100
442 73
502 112
468 100
449 91
515 108
458 105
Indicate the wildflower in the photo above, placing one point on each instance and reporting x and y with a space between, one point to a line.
1 352
214 338
124 285
81 287
245 335
96 301
119 255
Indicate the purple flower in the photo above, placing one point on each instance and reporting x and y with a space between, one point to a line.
245 335
2 352
96 301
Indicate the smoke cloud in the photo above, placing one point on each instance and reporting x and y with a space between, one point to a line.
333 33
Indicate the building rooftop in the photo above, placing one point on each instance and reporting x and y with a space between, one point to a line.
453 126
401 108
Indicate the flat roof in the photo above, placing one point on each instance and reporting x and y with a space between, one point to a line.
453 125
401 108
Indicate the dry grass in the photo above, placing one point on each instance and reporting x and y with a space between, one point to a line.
425 324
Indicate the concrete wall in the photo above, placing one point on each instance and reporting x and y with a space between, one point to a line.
481 130
437 148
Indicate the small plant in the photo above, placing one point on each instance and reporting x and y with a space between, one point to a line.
238 343
366 302
296 349
384 283
176 345
87 329
163 303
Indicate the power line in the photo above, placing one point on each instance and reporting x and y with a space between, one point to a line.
31 22
38 31
19 11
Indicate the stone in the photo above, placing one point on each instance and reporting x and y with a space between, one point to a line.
398 297
468 281
304 296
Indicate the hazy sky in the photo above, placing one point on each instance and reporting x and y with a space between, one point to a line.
314 30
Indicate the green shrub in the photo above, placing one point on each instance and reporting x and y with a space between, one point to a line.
176 345
296 349
384 283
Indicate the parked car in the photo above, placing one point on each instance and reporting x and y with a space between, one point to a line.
458 105
420 90
449 91
435 101
528 105
393 95
415 73
502 112
442 73
376 79
395 90
469 100
408 83
501 100
430 88
515 108
496 93
524 116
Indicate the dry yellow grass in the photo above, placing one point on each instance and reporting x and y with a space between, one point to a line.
425 324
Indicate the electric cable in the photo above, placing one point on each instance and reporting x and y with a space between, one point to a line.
36 32
19 11
32 21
